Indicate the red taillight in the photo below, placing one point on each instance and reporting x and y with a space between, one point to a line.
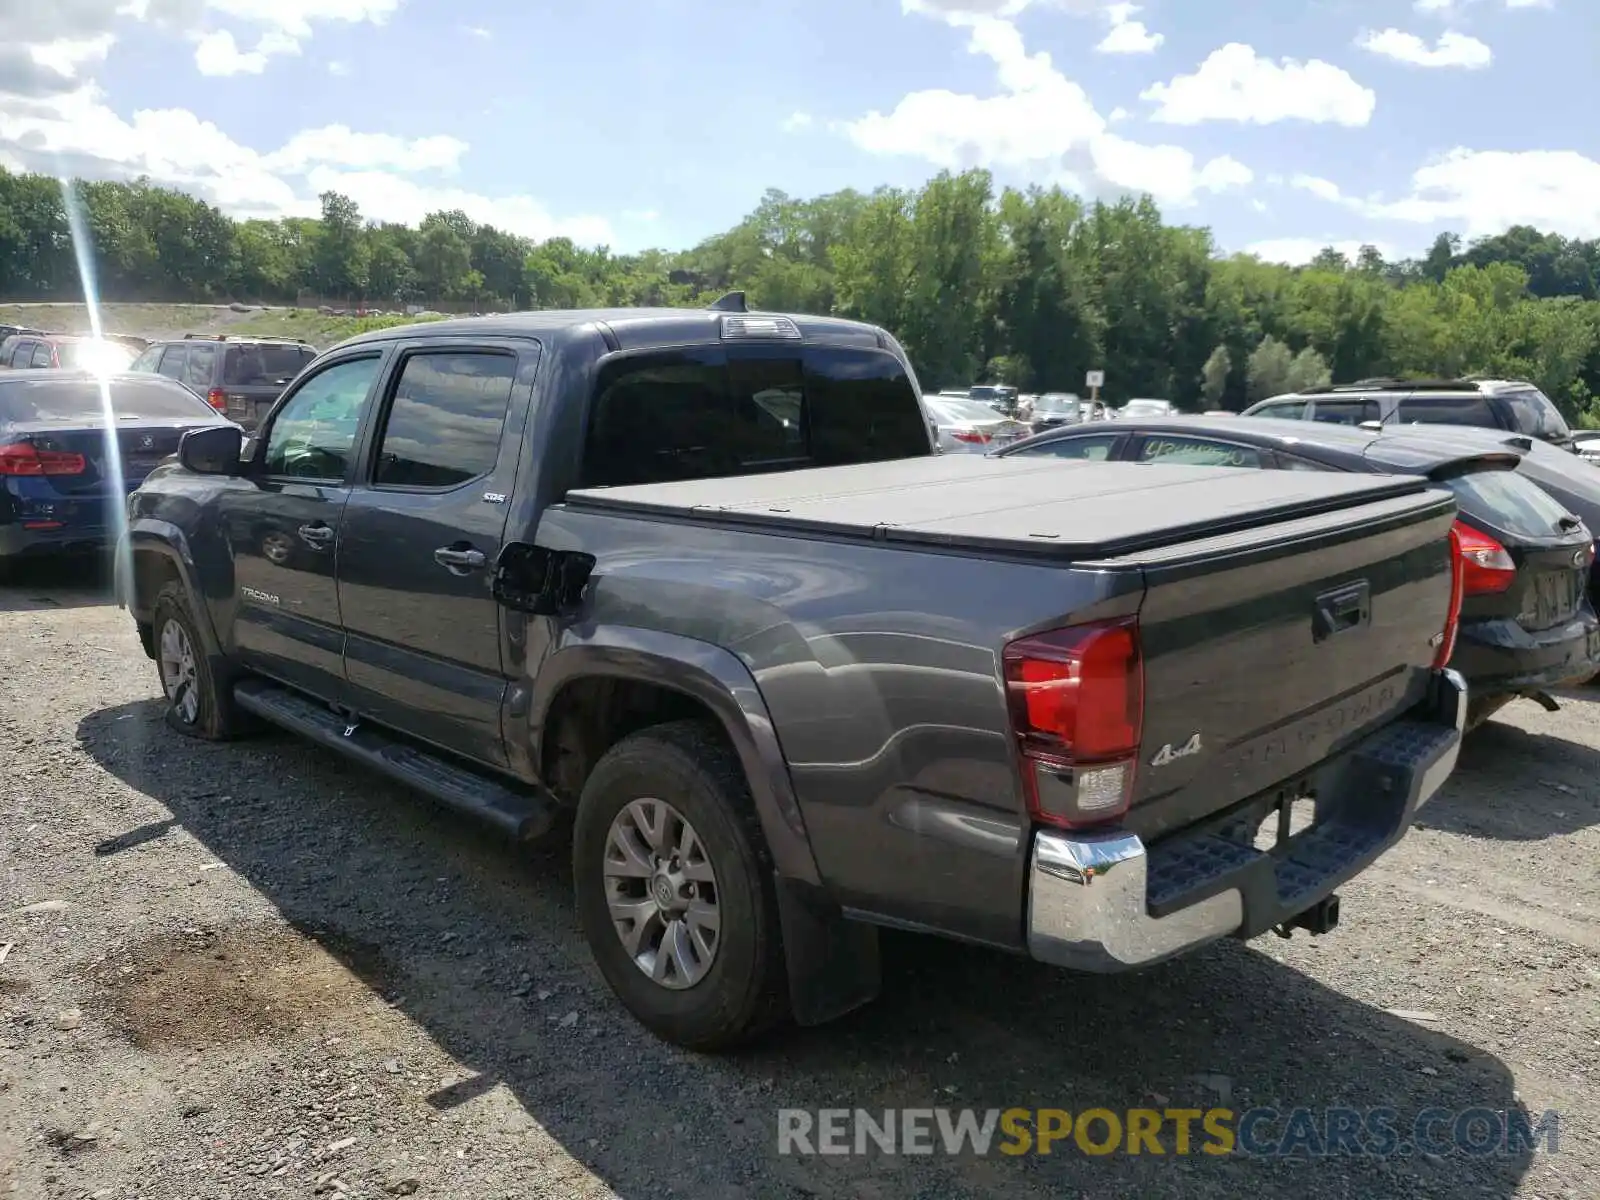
24 458
1486 567
1077 708
218 399
1452 620
973 437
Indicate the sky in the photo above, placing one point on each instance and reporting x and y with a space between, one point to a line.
1284 125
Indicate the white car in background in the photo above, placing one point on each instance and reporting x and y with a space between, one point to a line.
1147 409
971 426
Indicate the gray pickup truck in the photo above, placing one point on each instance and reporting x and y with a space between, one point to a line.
699 581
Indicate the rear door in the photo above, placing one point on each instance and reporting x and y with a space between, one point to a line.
283 528
173 362
421 533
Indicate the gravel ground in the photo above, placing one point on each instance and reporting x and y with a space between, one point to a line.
253 970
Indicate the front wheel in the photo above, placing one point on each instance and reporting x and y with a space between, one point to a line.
674 888
197 686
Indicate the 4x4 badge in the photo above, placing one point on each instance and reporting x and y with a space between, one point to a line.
1167 754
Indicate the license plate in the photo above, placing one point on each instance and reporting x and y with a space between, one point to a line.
1556 595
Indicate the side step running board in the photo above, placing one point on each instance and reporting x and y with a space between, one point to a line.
521 814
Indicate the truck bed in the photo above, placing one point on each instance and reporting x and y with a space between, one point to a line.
1037 508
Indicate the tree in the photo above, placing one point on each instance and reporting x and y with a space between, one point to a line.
1214 376
1269 369
1308 369
340 251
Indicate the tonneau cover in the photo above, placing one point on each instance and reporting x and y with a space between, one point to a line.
1032 506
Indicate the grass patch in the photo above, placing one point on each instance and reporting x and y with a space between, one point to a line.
319 329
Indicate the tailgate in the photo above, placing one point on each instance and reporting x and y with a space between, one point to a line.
1269 650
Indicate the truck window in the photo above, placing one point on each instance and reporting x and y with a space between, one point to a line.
197 370
1446 410
699 413
314 433
445 420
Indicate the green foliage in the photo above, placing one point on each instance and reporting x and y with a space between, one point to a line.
1032 287
1214 376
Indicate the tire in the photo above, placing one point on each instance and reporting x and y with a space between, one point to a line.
199 695
742 990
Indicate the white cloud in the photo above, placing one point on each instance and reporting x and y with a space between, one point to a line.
339 145
387 197
294 17
1128 36
67 56
1453 8
216 53
338 67
1450 50
1482 192
1296 252
1236 84
1040 122
477 31
797 122
1323 189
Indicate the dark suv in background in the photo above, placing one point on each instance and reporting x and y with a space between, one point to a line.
238 376
1515 406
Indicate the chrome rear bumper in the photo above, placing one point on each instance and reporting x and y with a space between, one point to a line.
1091 895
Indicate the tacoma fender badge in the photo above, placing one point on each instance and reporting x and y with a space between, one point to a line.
1167 755
250 593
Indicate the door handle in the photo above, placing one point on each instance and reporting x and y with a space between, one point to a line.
459 559
317 535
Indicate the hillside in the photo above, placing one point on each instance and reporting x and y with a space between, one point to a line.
175 320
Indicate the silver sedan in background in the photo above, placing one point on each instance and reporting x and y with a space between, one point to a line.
971 426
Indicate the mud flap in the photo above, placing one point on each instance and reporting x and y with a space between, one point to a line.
833 963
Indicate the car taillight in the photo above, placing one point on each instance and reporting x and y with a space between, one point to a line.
1076 697
1486 567
973 437
24 458
218 399
1452 620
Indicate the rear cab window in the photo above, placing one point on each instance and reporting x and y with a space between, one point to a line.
1446 410
701 412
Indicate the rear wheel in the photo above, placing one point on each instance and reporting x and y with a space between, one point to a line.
198 686
674 888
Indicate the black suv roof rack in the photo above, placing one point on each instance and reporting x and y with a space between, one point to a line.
241 337
1395 385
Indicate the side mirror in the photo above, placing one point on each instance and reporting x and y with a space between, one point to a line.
211 451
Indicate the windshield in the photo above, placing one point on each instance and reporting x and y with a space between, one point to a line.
962 411
94 356
77 401
1536 415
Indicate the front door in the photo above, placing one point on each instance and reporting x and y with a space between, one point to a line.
421 533
284 531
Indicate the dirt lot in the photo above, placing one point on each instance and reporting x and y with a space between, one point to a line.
252 970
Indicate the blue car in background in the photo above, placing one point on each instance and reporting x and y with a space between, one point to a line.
58 491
